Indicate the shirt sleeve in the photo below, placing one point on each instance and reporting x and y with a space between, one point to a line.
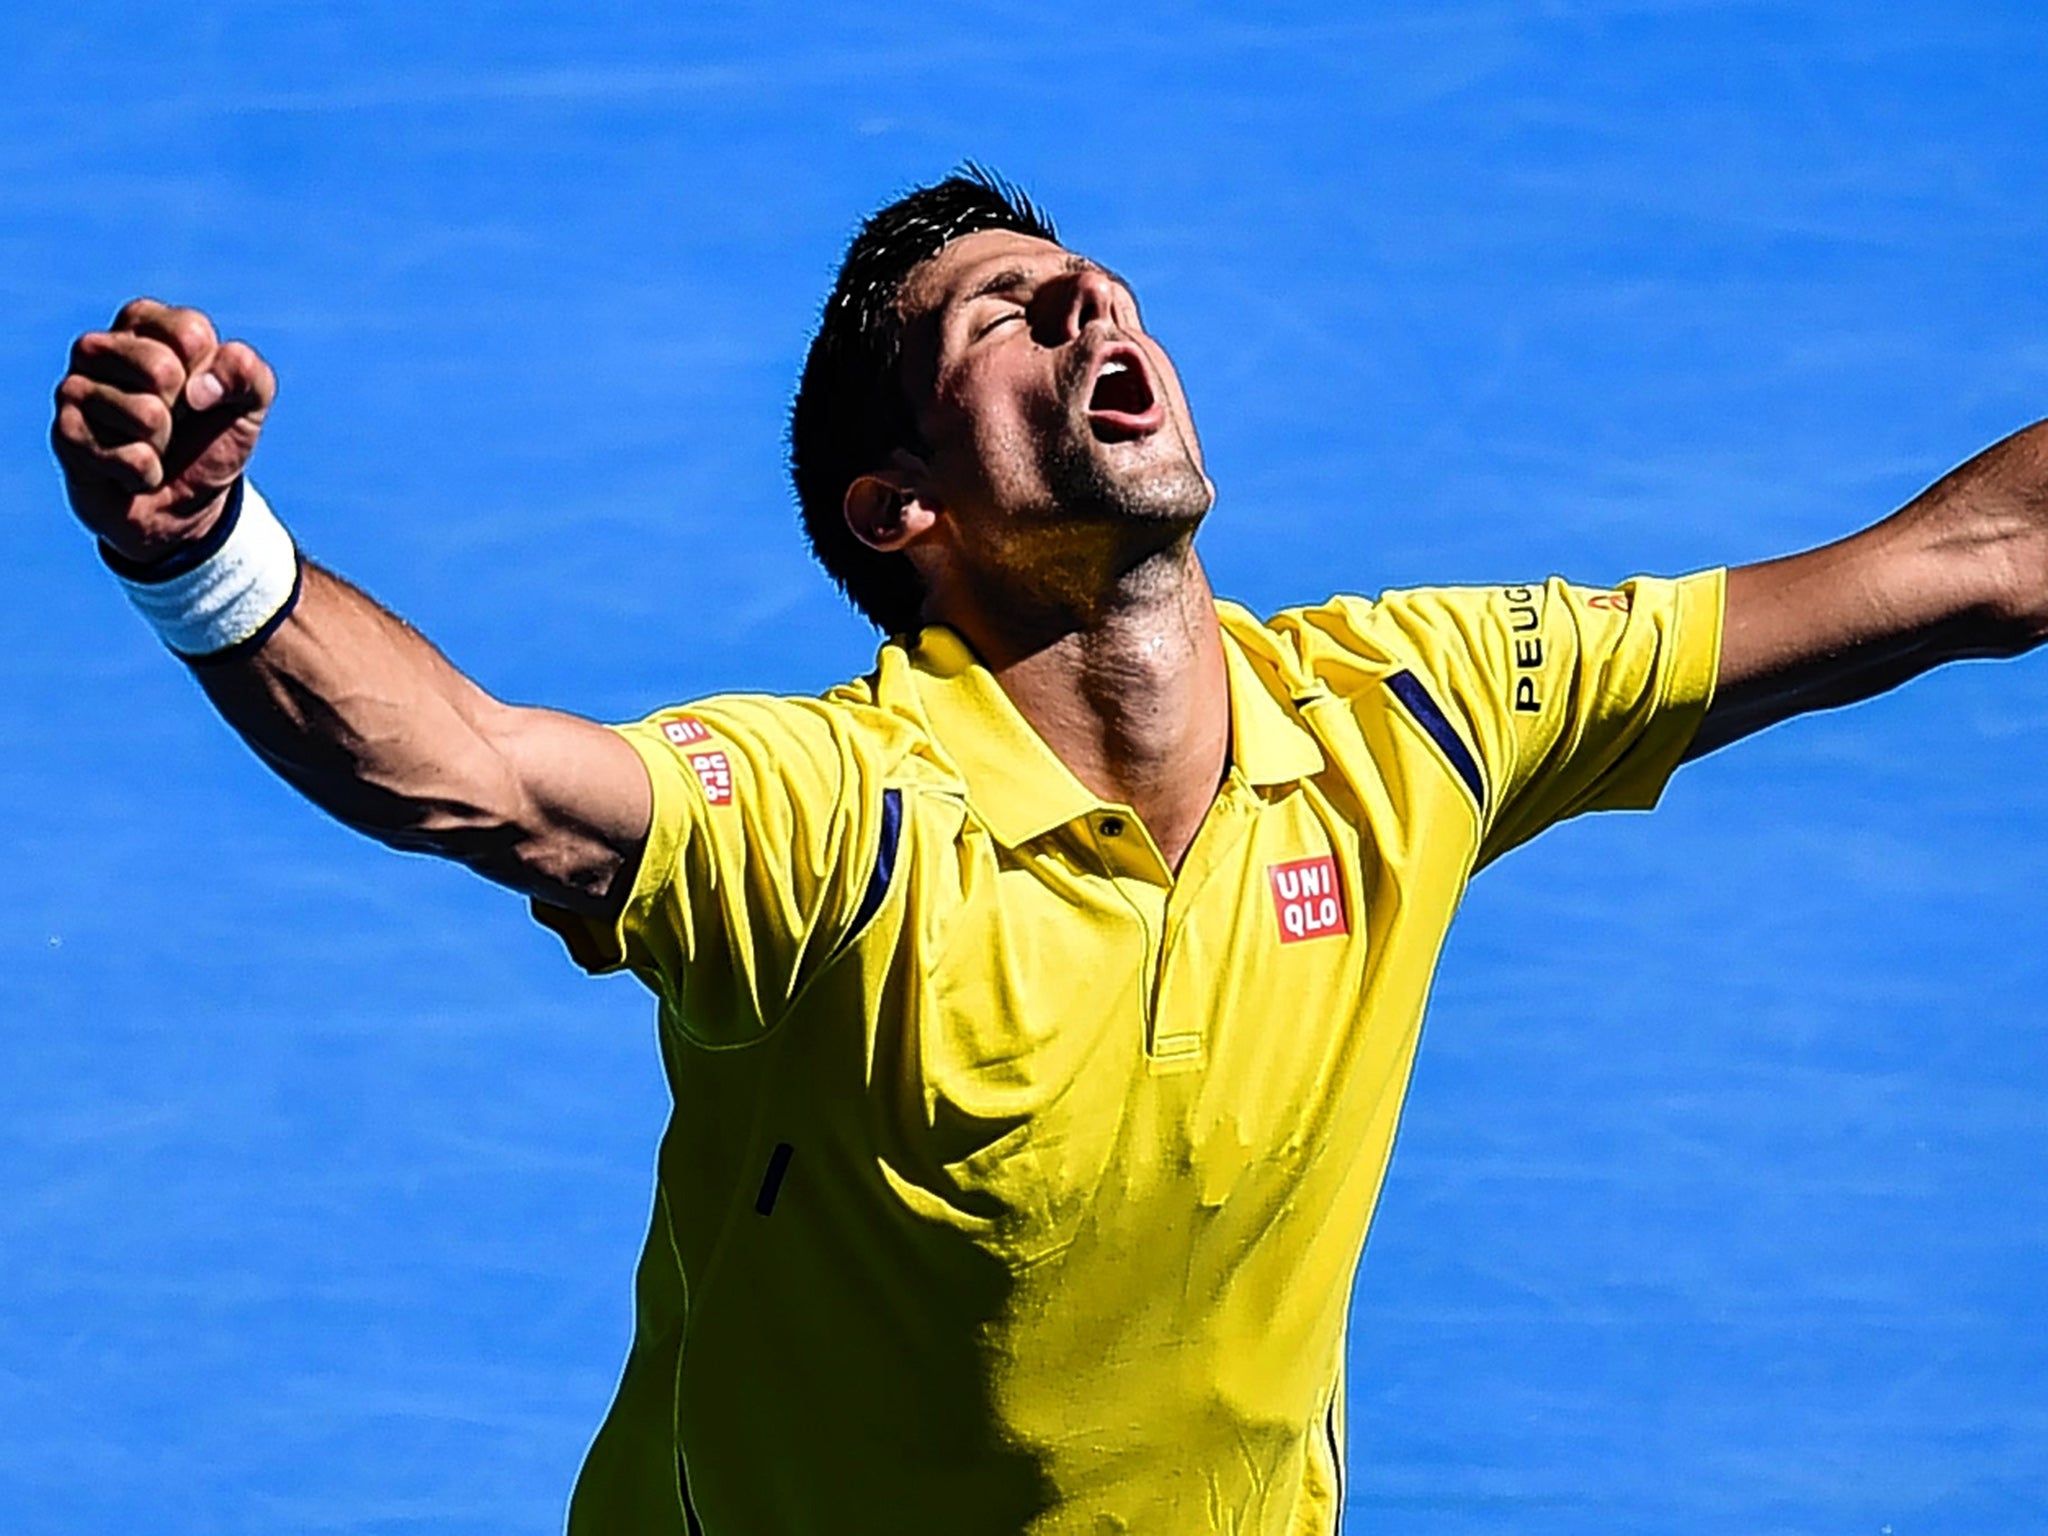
1571 698
766 828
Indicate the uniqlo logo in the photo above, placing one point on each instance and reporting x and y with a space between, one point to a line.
715 774
1307 899
683 730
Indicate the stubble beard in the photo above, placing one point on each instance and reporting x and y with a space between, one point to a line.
1104 534
1103 539
1163 500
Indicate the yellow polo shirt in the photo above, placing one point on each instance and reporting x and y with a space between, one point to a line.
1015 1183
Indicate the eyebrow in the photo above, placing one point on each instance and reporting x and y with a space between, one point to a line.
1016 277
999 282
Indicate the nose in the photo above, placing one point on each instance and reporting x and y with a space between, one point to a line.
1091 299
1094 297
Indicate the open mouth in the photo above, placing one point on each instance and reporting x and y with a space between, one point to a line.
1122 398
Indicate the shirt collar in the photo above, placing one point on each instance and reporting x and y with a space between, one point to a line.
1018 785
1268 743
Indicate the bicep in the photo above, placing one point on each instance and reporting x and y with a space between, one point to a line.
583 810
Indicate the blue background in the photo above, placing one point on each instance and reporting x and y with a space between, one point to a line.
1718 1207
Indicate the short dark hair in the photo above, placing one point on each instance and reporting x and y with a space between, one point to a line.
851 410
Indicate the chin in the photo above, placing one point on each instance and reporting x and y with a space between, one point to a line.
1168 492
1182 499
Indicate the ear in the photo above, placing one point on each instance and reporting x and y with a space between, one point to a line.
889 510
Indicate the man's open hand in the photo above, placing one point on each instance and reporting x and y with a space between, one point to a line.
155 421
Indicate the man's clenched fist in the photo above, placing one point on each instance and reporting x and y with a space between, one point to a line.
155 421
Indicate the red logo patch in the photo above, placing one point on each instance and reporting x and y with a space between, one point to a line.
1307 899
715 774
684 729
1617 601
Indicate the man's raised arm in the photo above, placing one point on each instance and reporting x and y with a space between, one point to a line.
1959 571
155 422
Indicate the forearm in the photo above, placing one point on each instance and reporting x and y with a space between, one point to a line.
364 717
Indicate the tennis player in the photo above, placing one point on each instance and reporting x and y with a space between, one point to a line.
1038 1008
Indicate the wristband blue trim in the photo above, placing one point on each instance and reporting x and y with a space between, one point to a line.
186 557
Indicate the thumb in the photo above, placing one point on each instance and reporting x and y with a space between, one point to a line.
235 373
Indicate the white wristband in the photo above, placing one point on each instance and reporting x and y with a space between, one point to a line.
237 594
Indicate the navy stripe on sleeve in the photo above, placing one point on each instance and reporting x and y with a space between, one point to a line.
885 865
1407 687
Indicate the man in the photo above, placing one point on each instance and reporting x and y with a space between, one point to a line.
1038 1009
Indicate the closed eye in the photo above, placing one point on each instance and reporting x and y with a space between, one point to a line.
1001 319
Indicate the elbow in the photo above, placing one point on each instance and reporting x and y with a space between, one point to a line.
1992 517
509 842
461 833
2011 616
464 807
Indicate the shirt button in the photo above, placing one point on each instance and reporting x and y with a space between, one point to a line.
1111 826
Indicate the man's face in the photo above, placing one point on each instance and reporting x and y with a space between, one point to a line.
1042 403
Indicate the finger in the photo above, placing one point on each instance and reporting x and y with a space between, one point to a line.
135 310
118 416
186 332
132 467
236 375
129 361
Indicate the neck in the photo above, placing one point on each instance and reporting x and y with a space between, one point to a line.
1130 692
